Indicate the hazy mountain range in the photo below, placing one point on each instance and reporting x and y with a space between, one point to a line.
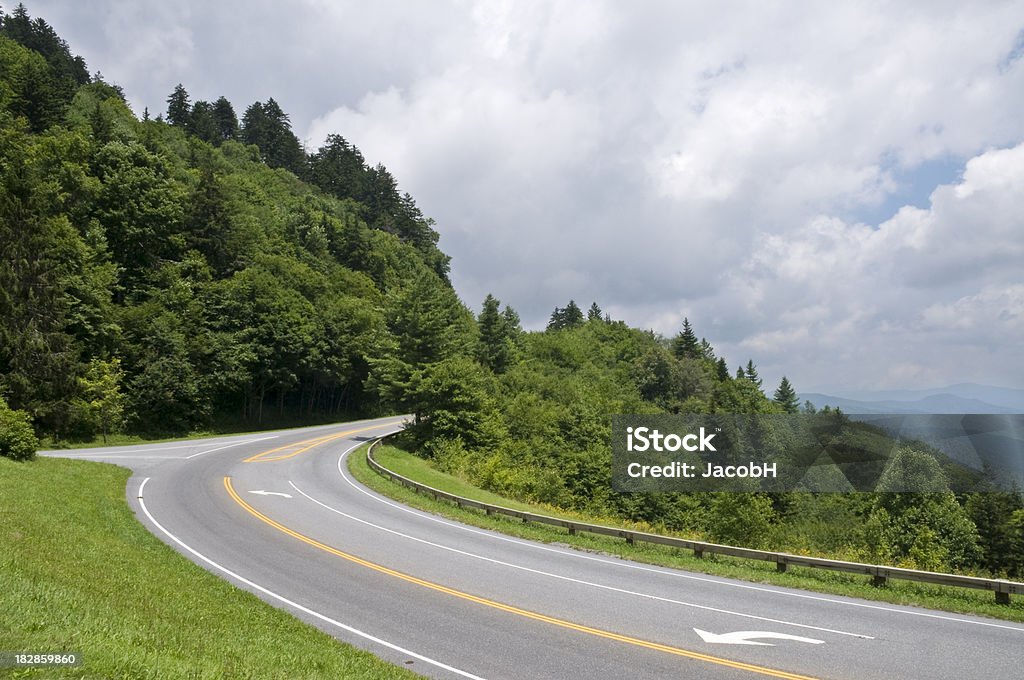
960 398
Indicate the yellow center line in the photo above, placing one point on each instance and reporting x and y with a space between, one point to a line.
508 608
307 445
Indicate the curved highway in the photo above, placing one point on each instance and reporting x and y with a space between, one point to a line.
279 515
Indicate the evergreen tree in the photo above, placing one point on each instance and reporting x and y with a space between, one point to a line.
65 72
594 313
706 350
338 168
102 126
722 370
556 320
573 315
751 373
685 345
512 323
208 221
497 337
268 127
202 124
991 511
785 396
570 316
179 109
225 120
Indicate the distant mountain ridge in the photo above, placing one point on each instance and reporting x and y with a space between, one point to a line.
959 398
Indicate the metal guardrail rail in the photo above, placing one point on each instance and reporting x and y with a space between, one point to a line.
879 573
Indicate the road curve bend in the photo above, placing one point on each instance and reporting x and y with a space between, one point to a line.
278 514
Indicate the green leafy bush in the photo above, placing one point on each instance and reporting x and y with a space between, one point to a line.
17 439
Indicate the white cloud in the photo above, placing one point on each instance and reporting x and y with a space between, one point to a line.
933 293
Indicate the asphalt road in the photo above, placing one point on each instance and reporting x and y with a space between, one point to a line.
279 515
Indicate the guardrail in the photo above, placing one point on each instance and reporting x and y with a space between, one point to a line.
879 573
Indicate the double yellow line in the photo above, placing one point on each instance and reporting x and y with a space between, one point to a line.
508 608
306 445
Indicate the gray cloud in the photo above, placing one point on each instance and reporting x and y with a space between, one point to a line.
664 160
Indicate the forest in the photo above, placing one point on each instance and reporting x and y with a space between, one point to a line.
200 270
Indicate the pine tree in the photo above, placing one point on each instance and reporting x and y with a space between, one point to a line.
751 373
496 345
570 316
225 120
512 323
722 369
573 315
201 122
685 345
102 126
338 168
706 350
785 396
179 109
268 127
594 313
556 321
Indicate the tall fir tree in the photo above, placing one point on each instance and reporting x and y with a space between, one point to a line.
497 343
785 396
722 370
201 122
569 316
706 350
179 109
225 120
685 345
751 373
594 313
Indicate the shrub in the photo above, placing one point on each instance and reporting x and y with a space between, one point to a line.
17 438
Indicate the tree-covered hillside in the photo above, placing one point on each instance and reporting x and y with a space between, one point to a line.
196 269
163 276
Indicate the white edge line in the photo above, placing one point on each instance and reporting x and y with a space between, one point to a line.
228 446
141 448
295 605
577 581
678 574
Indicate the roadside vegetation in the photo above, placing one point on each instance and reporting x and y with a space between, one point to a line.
78 573
958 600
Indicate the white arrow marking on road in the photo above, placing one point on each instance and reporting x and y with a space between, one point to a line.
744 637
271 493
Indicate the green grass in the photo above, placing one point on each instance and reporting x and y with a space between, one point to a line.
78 573
958 600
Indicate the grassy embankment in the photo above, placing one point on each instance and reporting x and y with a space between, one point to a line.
78 573
961 600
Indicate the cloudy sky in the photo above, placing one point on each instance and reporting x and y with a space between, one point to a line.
836 193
